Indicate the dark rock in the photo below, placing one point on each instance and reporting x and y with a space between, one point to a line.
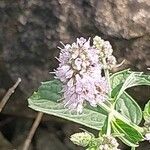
4 143
144 146
20 132
47 140
31 30
68 130
123 19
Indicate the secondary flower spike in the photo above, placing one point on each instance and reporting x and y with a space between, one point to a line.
80 71
105 52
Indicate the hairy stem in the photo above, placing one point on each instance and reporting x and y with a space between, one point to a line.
106 71
116 114
108 132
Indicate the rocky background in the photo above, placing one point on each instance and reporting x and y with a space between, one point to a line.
30 31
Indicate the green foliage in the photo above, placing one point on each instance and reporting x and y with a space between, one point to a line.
129 108
146 112
49 95
131 136
124 103
46 100
125 79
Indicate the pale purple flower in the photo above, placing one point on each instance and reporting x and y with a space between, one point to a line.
80 72
62 72
64 54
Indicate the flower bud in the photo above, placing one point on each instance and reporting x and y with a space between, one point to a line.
147 136
109 143
98 42
104 50
81 139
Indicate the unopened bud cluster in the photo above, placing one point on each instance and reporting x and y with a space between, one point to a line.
82 139
105 52
88 140
147 136
109 143
147 130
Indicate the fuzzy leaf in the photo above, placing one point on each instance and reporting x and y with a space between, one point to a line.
122 80
131 136
46 101
124 103
129 108
146 112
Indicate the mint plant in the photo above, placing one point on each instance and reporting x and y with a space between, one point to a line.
84 91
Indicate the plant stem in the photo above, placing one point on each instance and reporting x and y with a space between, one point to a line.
106 71
110 116
132 148
32 131
8 94
116 114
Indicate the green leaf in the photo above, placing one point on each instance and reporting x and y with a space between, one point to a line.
124 103
105 126
46 101
129 108
117 80
122 80
131 136
146 112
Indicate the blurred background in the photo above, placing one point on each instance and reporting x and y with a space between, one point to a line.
30 31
